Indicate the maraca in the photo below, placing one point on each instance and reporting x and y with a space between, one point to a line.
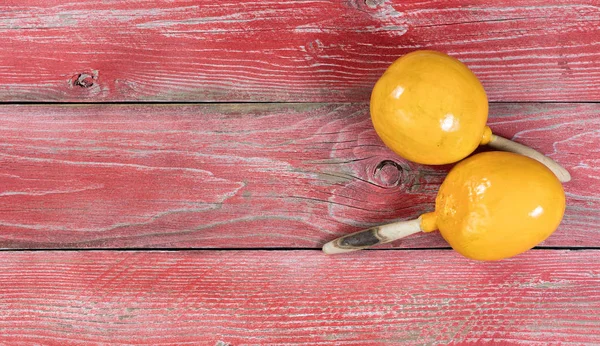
491 206
431 109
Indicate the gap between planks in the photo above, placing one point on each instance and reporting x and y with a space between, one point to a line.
195 249
191 103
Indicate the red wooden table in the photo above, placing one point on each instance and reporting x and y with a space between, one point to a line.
170 169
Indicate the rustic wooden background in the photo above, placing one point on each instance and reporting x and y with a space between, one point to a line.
170 169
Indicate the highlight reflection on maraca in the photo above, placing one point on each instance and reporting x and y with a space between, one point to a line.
430 108
491 206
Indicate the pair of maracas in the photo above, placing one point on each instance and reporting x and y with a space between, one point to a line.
431 109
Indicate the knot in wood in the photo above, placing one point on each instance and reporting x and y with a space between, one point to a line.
387 173
83 80
373 3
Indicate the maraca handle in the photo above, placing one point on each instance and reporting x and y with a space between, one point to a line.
373 236
504 144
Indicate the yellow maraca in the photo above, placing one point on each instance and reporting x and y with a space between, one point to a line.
491 206
431 109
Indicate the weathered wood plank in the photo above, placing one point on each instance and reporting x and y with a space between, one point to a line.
311 50
298 297
264 175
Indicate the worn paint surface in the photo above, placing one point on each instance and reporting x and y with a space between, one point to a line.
186 177
247 50
298 297
246 175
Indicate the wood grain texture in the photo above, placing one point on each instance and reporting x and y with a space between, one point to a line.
298 297
263 175
309 50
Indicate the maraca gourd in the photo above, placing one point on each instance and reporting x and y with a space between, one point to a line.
491 206
431 109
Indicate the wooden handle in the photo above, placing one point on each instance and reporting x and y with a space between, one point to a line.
504 144
372 236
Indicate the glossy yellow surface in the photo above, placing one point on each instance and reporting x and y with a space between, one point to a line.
429 108
496 205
